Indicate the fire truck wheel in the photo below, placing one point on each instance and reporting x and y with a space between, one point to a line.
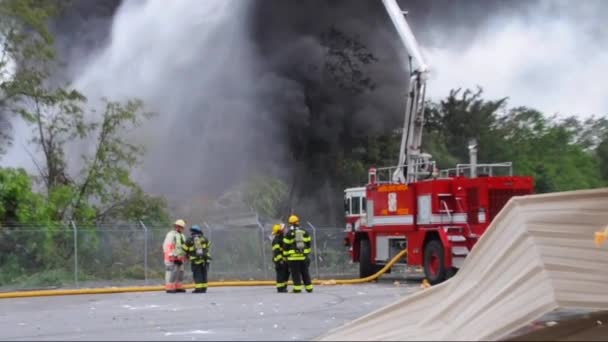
434 262
366 267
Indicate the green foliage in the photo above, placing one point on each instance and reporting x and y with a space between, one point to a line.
101 190
26 47
27 54
26 42
265 195
549 150
459 118
138 206
106 173
559 154
18 202
52 278
602 156
58 116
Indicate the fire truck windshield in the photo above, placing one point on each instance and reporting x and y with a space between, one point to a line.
354 202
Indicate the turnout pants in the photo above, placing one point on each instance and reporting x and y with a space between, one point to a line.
282 270
299 273
199 274
174 276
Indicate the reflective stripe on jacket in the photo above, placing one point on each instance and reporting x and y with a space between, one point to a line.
290 250
277 248
190 249
173 246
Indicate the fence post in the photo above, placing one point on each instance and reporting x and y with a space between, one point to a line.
263 246
314 247
143 226
75 252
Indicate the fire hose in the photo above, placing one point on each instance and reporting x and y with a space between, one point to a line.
107 290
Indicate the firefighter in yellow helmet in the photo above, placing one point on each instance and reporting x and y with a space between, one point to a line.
174 257
296 248
280 263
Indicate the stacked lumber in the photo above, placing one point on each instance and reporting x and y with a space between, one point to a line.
537 256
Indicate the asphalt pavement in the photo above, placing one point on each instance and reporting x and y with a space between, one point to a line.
228 313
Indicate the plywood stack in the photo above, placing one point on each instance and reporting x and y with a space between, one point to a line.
537 256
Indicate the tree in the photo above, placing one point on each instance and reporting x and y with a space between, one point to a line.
18 202
553 151
26 44
460 117
559 154
137 205
106 173
602 155
265 195
101 190
104 177
59 116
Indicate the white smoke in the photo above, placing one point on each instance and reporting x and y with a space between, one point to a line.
17 155
552 59
191 63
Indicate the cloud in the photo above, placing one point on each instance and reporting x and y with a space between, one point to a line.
552 60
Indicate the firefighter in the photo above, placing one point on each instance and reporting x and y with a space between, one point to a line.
198 248
280 264
296 248
175 256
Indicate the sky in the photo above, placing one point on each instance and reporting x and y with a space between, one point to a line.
551 59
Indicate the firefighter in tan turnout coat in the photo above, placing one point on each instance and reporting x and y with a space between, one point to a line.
175 257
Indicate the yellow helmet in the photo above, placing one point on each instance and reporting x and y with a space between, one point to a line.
180 223
276 229
293 219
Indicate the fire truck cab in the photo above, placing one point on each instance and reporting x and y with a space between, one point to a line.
355 206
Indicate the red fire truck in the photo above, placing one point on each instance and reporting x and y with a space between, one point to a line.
438 216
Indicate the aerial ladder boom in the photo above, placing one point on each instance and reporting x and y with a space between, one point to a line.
410 157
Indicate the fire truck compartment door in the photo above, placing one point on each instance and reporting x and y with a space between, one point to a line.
389 246
424 209
381 248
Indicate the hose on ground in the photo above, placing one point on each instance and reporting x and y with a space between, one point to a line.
107 290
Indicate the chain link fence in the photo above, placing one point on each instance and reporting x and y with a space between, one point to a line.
73 256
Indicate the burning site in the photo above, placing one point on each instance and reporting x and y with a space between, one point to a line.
403 150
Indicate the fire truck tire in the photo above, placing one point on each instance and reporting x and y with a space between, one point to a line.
434 262
366 267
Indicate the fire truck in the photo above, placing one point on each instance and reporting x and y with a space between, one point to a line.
437 215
